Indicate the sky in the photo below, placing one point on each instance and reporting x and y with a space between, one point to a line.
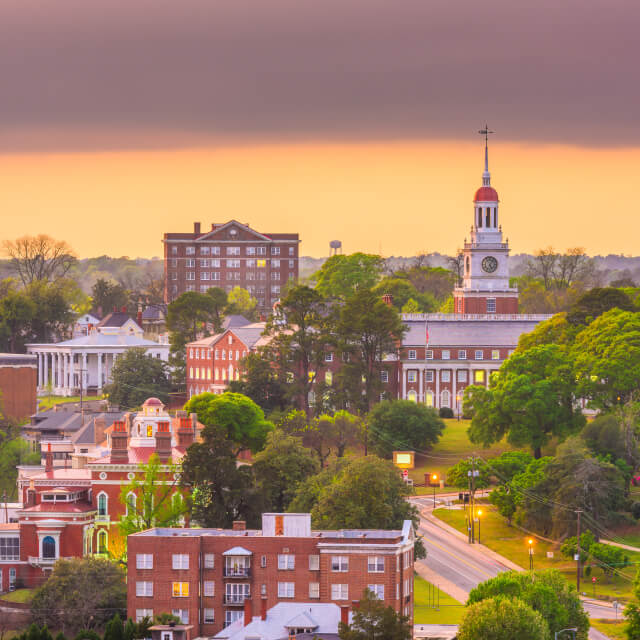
342 119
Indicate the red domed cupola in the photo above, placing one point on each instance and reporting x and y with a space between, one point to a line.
486 194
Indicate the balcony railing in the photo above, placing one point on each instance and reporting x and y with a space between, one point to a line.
237 572
37 561
103 519
236 598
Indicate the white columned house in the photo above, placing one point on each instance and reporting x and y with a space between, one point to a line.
89 359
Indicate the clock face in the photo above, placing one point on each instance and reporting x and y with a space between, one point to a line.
489 264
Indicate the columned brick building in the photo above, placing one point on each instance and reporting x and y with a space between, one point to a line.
230 255
212 578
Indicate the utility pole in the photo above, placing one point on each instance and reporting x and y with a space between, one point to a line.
472 505
578 511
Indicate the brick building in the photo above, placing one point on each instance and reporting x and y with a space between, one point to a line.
18 386
212 578
227 256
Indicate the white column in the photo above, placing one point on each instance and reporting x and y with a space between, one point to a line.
83 375
421 385
65 372
454 383
39 369
45 369
99 354
72 371
436 400
60 370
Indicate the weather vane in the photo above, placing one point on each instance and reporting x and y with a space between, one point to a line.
485 132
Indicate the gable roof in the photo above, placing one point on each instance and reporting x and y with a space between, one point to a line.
235 320
114 319
211 235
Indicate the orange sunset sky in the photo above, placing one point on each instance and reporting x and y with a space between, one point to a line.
397 198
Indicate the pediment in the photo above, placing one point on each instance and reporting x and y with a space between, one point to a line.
233 231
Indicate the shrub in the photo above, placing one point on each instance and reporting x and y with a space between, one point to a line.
635 510
446 412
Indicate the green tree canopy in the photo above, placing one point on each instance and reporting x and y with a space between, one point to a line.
281 467
241 302
502 618
546 592
108 296
14 450
556 330
342 275
596 302
136 376
530 400
401 425
632 611
236 417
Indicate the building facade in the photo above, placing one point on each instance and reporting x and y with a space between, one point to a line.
18 382
212 578
230 255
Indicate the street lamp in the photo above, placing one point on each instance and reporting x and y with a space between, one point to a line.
479 514
572 629
434 479
458 399
530 541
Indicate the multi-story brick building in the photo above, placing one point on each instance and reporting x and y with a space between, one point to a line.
18 379
211 578
230 255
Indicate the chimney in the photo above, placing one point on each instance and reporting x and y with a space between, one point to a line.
139 317
344 614
239 525
263 608
163 441
185 432
124 309
115 309
248 611
48 460
119 451
387 298
196 228
99 427
213 226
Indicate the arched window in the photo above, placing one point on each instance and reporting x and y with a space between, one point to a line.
103 502
445 399
412 395
429 399
487 216
479 212
468 264
48 547
131 504
102 541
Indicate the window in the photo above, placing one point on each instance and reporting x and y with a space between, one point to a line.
131 504
286 589
251 251
180 589
339 591
261 264
141 614
446 376
384 376
314 590
261 251
180 561
191 251
375 564
204 275
291 251
144 561
144 588
314 563
190 262
263 561
445 398
428 375
263 589
412 354
328 378
292 264
9 548
275 251
462 375
377 590
209 588
446 354
479 354
103 502
191 275
174 276
103 543
491 305
412 376
208 560
428 354
286 561
275 264
183 614
233 264
328 357
479 376
174 250
236 593
232 615
209 616
462 354
495 354
412 395
204 251
339 563
233 251
204 263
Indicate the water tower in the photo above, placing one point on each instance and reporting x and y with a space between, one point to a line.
335 247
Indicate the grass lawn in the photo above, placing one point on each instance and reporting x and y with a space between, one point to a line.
512 544
19 595
427 597
46 402
610 628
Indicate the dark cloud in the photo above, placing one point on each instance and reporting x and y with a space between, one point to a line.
127 73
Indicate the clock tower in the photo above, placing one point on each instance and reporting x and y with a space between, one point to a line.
485 270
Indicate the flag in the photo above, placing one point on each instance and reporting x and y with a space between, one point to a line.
426 324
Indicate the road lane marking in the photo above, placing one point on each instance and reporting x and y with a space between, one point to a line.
453 555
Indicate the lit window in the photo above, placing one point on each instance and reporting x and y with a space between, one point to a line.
412 376
261 264
495 354
180 589
478 376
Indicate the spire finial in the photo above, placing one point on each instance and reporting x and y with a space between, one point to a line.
486 176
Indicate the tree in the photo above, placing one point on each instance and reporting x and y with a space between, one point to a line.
53 309
136 376
367 330
342 275
347 430
299 341
604 437
502 619
81 593
220 299
555 330
632 611
280 468
152 498
435 282
404 293
373 619
261 381
240 301
557 270
114 629
596 302
357 493
237 418
546 592
14 450
530 400
607 359
458 475
107 296
221 491
403 425
17 311
39 258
